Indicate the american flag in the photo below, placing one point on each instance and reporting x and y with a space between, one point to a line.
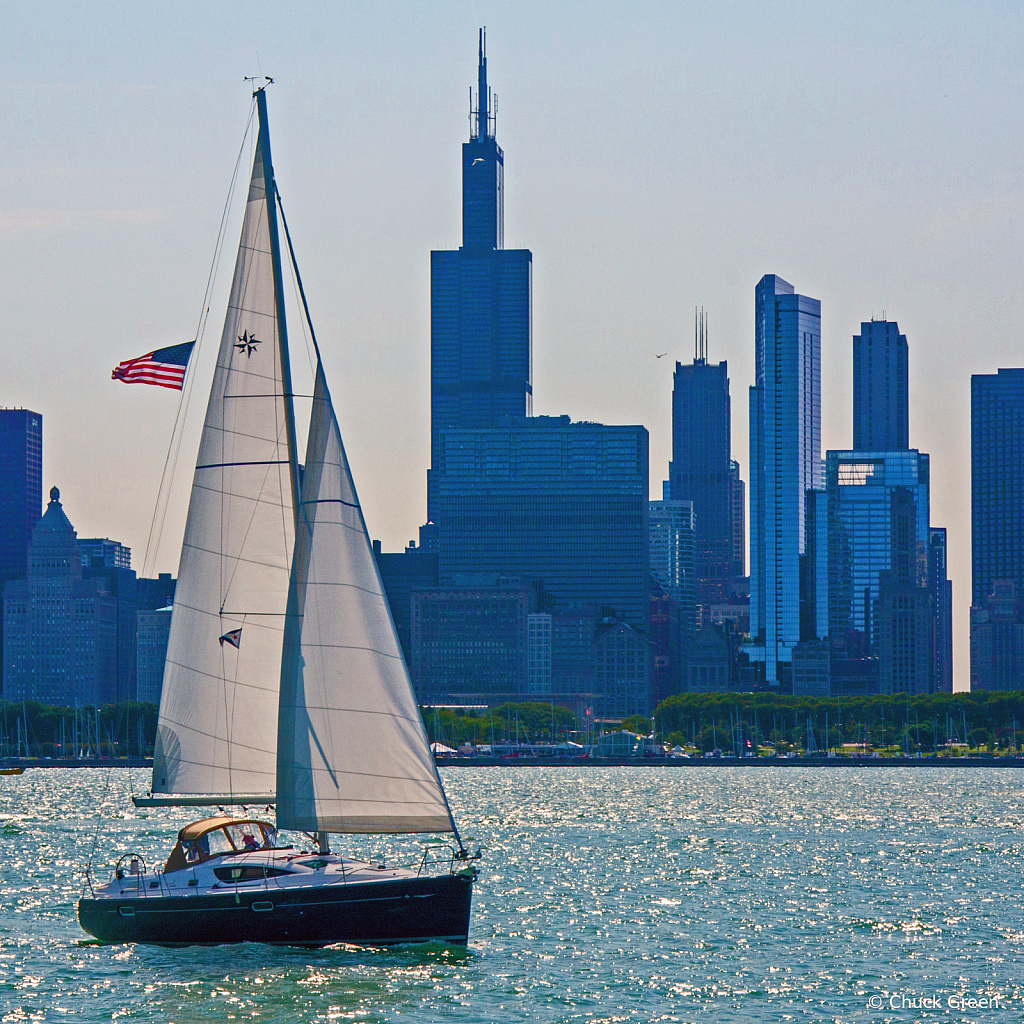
165 367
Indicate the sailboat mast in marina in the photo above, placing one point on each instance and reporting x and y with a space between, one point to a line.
284 681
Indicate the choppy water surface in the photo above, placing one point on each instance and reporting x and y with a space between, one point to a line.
606 894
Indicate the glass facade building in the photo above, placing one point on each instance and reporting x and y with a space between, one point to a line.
701 470
997 482
785 463
864 489
881 408
672 542
480 301
545 499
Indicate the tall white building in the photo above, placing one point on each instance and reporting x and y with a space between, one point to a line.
785 463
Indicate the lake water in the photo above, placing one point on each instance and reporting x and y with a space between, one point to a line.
605 895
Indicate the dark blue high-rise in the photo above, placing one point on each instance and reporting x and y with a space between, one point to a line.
480 300
21 487
701 467
881 417
997 482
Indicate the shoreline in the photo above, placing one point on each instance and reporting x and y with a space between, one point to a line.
601 762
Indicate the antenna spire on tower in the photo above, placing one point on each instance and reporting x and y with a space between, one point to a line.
482 115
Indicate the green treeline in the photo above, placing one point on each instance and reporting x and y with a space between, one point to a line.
744 722
28 728
733 722
526 722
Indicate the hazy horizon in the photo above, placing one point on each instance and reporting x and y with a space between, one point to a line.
870 156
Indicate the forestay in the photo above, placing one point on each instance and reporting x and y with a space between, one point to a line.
218 711
353 755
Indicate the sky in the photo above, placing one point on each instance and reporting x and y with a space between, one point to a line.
658 157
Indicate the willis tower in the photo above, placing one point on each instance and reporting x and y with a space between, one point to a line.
480 302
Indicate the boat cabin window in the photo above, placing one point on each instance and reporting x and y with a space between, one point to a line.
214 843
248 836
222 837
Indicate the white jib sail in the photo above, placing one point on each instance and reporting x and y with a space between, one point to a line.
217 731
352 753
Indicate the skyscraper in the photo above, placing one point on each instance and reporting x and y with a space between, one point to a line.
880 404
480 300
864 540
739 522
997 528
997 482
21 493
545 499
701 467
941 588
785 463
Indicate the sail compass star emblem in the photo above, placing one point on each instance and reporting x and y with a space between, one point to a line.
247 343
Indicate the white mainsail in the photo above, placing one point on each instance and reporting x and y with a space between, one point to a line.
352 753
217 731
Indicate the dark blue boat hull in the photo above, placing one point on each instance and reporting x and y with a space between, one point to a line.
372 914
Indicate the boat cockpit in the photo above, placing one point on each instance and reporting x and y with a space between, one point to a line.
214 837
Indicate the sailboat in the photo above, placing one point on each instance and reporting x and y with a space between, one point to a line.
284 682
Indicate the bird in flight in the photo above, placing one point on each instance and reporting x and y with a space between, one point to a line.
658 355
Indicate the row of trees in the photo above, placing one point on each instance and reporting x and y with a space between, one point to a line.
732 722
521 722
745 722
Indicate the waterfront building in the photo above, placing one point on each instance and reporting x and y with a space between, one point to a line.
667 646
881 578
672 543
622 670
941 589
739 524
863 490
111 561
812 669
538 654
469 643
60 630
785 463
546 499
701 470
997 482
710 664
881 408
814 568
21 492
480 298
905 621
21 487
572 650
401 573
153 630
997 640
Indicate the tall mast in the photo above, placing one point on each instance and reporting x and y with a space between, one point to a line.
282 327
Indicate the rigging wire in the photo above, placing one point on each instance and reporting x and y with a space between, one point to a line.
174 446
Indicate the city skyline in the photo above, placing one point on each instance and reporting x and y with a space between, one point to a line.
108 243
